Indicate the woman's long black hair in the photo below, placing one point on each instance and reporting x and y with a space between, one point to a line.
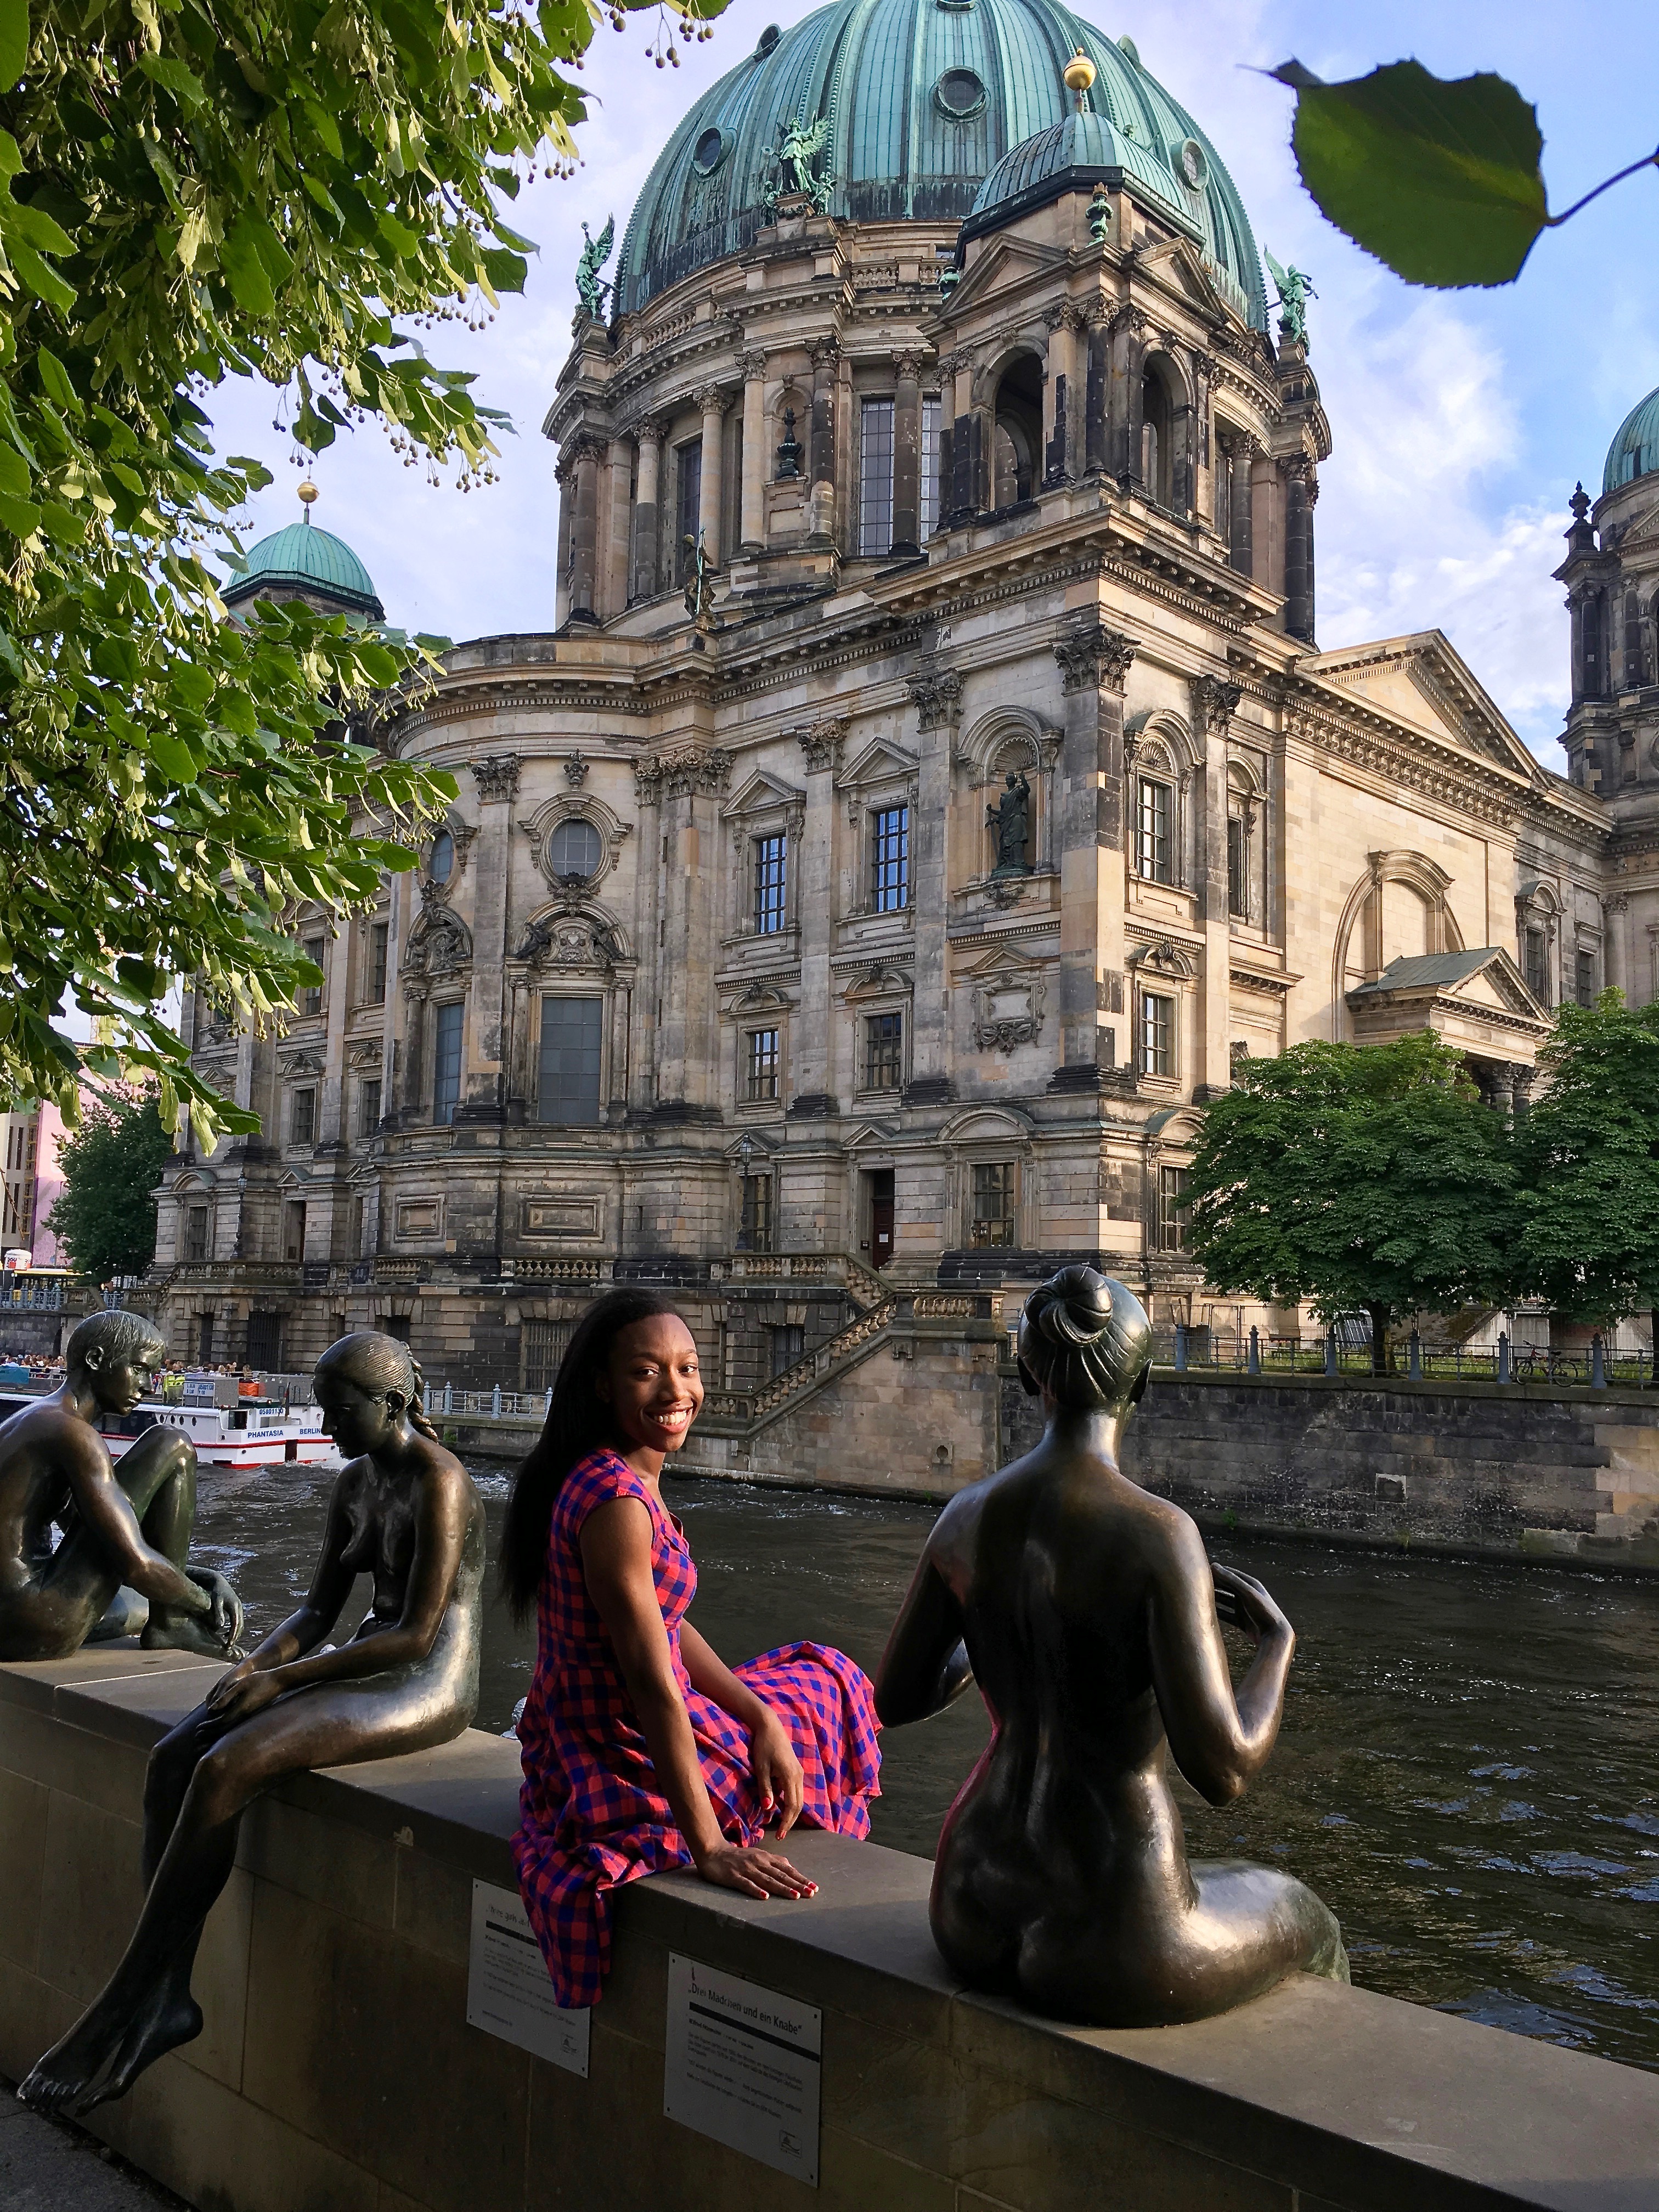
578 1422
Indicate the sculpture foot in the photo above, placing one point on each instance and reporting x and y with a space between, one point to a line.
186 1634
99 2059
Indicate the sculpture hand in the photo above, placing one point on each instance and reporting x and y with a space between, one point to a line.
225 1619
756 1873
1240 1602
243 1693
776 1770
220 1695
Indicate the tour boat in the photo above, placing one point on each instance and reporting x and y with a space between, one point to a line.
252 1434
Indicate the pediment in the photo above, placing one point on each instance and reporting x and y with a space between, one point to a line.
1001 959
880 763
1008 260
763 794
1489 984
301 1063
871 1136
985 1124
762 998
1176 265
1424 682
878 981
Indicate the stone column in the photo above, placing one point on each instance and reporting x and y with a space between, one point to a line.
1094 664
811 1036
821 462
691 779
617 518
647 524
936 693
1060 383
1615 967
1301 490
962 501
587 453
643 1088
1268 524
751 526
713 403
907 455
337 1001
491 861
1129 369
1097 401
1213 702
561 476
1243 450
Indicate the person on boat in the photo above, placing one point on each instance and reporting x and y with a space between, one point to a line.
405 1512
119 1565
641 1750
1088 1615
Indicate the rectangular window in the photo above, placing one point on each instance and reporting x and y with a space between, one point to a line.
1172 1209
992 1221
1153 846
447 1061
688 505
762 1066
369 1105
302 1121
788 1345
569 1084
374 990
1238 902
311 997
293 1230
890 860
196 1232
1584 978
359 1220
884 1051
204 1339
1157 1034
930 422
771 864
876 478
544 1346
1538 966
755 1234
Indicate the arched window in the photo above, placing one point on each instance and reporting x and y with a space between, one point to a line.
441 864
1017 441
1157 436
574 849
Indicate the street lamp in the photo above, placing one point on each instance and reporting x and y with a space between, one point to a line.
746 1153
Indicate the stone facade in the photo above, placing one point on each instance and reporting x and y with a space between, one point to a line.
715 957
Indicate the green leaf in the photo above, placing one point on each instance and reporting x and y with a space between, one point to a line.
19 516
14 473
35 225
1440 180
14 42
55 381
40 277
244 266
173 757
177 77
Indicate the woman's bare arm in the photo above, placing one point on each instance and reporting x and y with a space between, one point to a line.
1220 1742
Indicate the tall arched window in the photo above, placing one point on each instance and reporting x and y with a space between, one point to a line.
1016 441
1157 436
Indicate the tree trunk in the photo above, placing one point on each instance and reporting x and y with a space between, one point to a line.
1381 1316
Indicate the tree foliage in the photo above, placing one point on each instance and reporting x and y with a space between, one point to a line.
191 189
105 1216
1439 180
1588 1154
1354 1176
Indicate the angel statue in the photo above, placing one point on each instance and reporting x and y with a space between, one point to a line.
791 163
699 583
594 255
1295 290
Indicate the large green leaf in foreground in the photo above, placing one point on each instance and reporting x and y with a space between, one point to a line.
1438 179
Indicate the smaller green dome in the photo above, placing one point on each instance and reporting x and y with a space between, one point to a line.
1635 452
304 559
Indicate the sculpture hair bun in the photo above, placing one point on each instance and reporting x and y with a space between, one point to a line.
1085 1339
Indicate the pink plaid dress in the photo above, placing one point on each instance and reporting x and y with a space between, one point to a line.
592 1816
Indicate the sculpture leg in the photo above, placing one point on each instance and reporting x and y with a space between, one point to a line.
162 1491
79 1598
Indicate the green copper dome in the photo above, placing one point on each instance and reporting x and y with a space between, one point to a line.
922 98
1635 452
304 559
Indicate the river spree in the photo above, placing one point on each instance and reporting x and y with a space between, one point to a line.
1468 1770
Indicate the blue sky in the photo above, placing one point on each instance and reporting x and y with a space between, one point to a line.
1461 420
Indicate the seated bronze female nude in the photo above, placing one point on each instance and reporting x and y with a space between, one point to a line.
1087 1611
405 1512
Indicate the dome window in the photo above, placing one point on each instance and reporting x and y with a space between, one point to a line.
959 94
1189 164
710 150
768 38
441 864
575 850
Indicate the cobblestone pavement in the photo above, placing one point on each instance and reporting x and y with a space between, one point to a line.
49 2165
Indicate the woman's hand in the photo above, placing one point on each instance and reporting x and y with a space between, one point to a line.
754 1871
1240 1602
243 1693
776 1770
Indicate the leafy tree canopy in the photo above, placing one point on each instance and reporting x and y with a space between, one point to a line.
1354 1176
105 1216
1588 1159
191 190
1439 180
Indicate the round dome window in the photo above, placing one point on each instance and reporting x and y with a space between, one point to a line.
1190 164
441 864
768 38
710 151
959 94
574 848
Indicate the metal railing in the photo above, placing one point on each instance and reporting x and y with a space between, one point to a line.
443 1399
1212 1352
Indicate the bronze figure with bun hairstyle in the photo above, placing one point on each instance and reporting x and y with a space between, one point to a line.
403 1512
1090 1616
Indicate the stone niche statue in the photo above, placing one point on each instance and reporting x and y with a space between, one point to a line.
1088 1615
1010 821
403 1512
92 1547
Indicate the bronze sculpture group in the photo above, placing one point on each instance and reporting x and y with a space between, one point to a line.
1084 1607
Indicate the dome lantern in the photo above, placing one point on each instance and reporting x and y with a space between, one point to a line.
301 562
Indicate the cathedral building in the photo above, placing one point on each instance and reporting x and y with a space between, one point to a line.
930 785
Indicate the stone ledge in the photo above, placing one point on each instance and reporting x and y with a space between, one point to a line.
1315 2096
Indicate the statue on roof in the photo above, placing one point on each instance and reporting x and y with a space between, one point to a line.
1295 289
792 168
594 255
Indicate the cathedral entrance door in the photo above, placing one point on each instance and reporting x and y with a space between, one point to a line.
880 1243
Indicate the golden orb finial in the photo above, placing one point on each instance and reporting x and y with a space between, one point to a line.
1078 73
309 493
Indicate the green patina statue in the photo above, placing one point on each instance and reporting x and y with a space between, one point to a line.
594 255
1295 289
699 583
792 166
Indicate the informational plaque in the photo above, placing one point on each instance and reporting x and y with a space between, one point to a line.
507 1991
744 2065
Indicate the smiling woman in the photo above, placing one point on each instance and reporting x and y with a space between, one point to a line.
405 1512
641 1750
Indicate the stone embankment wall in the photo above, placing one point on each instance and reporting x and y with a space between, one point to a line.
337 2071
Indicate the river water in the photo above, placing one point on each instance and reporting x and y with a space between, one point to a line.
1468 1772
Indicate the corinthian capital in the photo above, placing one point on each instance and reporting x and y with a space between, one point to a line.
1213 702
1093 656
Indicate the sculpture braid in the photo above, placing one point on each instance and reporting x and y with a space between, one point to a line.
385 1363
419 1419
1085 1339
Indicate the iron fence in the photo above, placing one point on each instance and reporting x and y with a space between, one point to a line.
1346 1354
